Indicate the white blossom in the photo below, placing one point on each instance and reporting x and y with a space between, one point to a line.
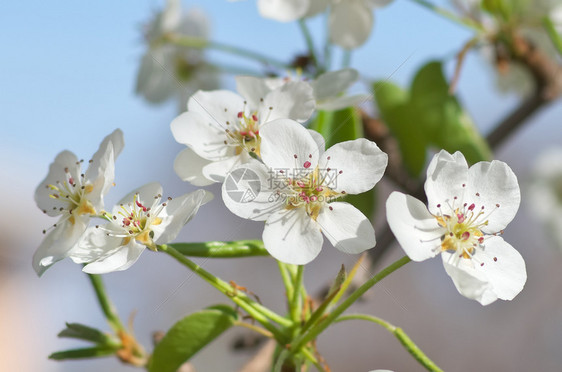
168 69
468 208
75 197
138 221
222 128
298 183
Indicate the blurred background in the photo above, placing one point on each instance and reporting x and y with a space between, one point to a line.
68 79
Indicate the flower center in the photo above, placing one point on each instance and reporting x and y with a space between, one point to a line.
73 195
137 221
463 225
245 135
310 191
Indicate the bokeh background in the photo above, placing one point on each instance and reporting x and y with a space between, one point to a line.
67 78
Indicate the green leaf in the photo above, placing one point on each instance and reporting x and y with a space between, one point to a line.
233 249
399 115
190 335
322 123
346 125
441 117
82 332
90 352
365 202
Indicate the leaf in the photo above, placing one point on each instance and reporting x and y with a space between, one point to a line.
346 125
400 117
190 335
90 352
444 122
365 202
82 332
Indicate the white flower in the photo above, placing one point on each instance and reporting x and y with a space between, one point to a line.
328 88
170 70
545 192
74 196
289 10
139 220
294 188
468 210
221 128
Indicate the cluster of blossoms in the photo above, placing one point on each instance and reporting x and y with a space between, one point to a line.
139 220
273 169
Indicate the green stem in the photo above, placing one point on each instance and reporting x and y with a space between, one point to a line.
451 16
257 311
310 356
296 303
286 281
198 43
322 325
217 249
309 42
107 307
404 339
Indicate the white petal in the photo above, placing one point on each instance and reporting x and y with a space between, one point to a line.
493 186
217 171
147 195
333 83
292 237
293 100
58 243
498 271
51 206
350 24
216 107
446 176
154 82
95 244
282 139
282 10
176 214
121 259
253 89
248 191
359 165
315 7
346 227
204 137
379 3
414 227
318 138
189 167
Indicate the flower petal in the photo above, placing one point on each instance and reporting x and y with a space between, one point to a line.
253 89
292 100
493 186
282 10
414 227
318 138
147 195
58 243
342 102
189 167
346 227
497 271
350 23
446 175
331 84
217 171
282 139
291 236
176 214
95 244
119 260
359 164
56 175
216 107
203 136
248 191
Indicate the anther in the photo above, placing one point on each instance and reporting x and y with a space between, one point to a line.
331 208
472 206
307 164
495 259
240 114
